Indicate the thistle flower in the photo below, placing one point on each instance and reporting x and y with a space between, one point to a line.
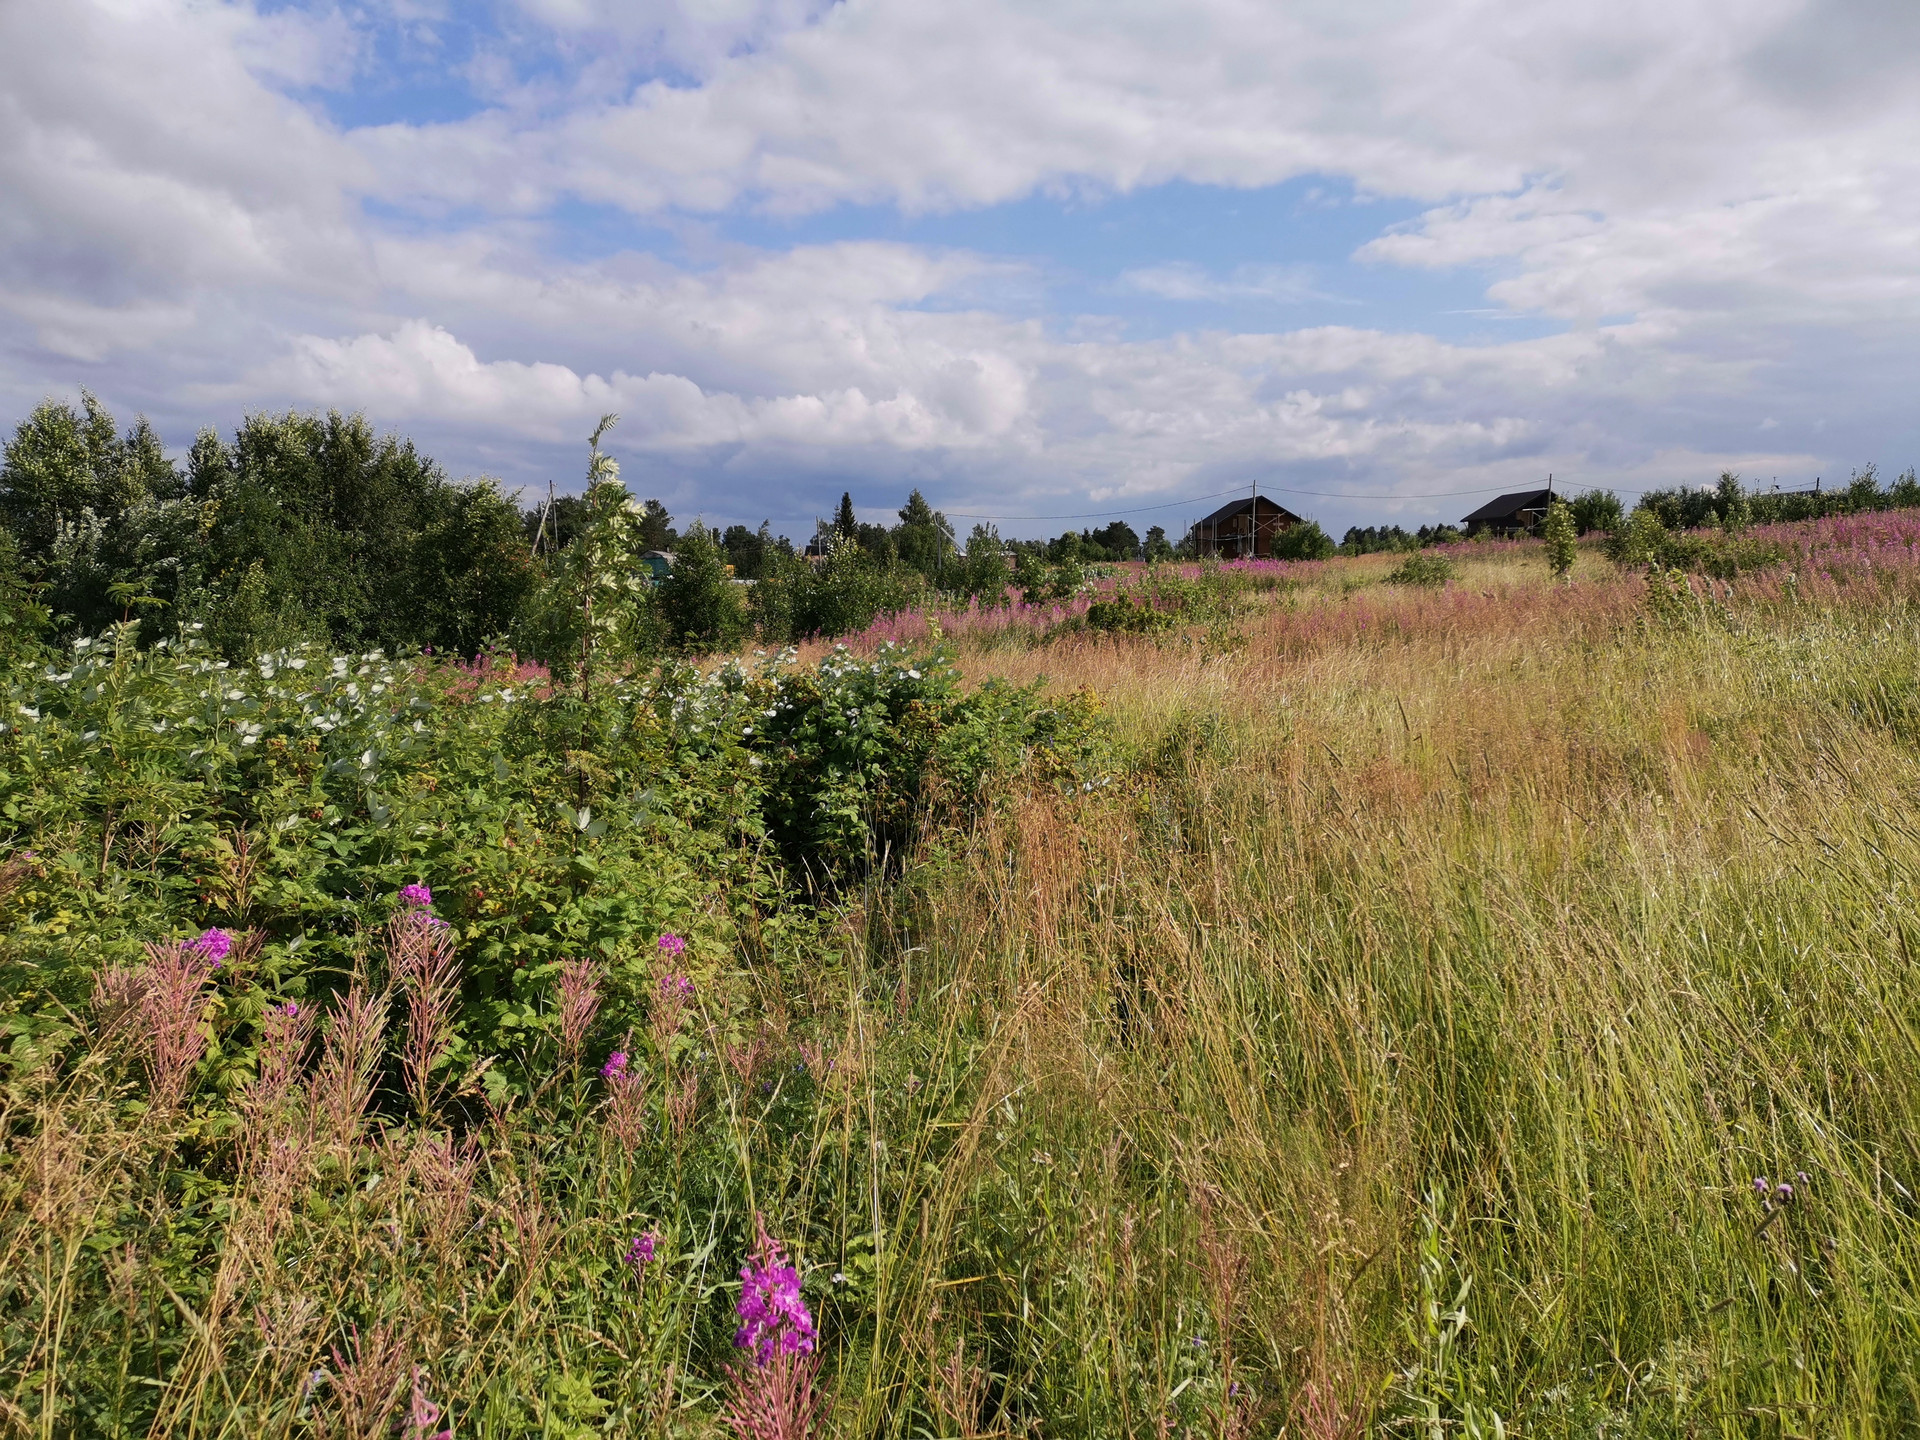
416 896
214 944
774 1319
673 945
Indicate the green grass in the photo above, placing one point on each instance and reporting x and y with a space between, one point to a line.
1388 1046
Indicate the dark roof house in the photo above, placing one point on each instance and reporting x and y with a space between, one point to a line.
1242 528
1518 513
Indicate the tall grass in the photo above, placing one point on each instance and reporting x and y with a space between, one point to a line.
1393 1047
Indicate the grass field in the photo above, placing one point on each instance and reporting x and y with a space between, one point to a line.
1478 1009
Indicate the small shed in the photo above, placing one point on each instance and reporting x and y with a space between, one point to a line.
1517 514
1242 529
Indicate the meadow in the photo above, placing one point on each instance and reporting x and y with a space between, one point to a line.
1366 1001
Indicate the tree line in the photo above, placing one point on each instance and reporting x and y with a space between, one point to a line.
313 527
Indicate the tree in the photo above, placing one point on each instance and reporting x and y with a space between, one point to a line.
594 607
700 608
1596 510
1730 499
1158 547
747 549
1304 541
1117 540
984 572
1558 531
656 528
844 523
923 536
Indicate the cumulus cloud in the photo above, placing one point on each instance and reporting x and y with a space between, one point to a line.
1714 225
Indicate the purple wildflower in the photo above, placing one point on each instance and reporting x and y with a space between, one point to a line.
215 945
774 1319
416 897
615 1068
640 1252
672 945
1783 1192
291 1009
1761 1186
676 984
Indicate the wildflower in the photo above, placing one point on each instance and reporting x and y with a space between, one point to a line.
774 1319
416 896
215 945
291 1009
423 1414
616 1066
676 984
640 1252
1761 1186
673 945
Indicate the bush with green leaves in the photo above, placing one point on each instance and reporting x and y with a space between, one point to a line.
166 790
1305 541
1422 570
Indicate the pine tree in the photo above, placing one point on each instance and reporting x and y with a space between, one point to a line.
844 523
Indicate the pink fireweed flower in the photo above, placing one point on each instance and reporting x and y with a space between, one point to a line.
640 1252
672 945
616 1066
676 984
423 1414
416 896
215 945
774 1319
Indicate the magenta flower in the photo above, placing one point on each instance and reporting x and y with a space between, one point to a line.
673 945
416 896
774 1319
615 1069
215 945
291 1009
640 1252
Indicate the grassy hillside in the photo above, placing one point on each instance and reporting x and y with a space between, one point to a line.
1348 1008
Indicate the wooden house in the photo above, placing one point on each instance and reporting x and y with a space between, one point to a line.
1517 514
1242 529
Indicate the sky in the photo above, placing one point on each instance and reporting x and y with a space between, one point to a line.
1049 263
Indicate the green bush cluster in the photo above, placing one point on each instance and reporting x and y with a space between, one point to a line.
165 791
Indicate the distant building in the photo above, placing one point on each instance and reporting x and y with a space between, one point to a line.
1243 528
659 563
1517 514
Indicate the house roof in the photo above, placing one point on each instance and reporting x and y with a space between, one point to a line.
1240 507
1506 505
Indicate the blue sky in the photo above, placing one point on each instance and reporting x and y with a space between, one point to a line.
1033 260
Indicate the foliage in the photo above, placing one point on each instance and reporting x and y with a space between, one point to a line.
1558 532
303 526
594 607
1305 541
1422 570
1372 539
700 608
1240 1054
1596 510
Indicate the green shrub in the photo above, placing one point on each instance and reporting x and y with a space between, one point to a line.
1305 541
1422 570
1129 614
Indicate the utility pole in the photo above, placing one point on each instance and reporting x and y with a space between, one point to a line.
1256 517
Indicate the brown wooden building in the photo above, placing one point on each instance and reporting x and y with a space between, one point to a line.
1242 529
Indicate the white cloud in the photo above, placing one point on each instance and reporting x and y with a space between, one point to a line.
1729 229
1183 280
